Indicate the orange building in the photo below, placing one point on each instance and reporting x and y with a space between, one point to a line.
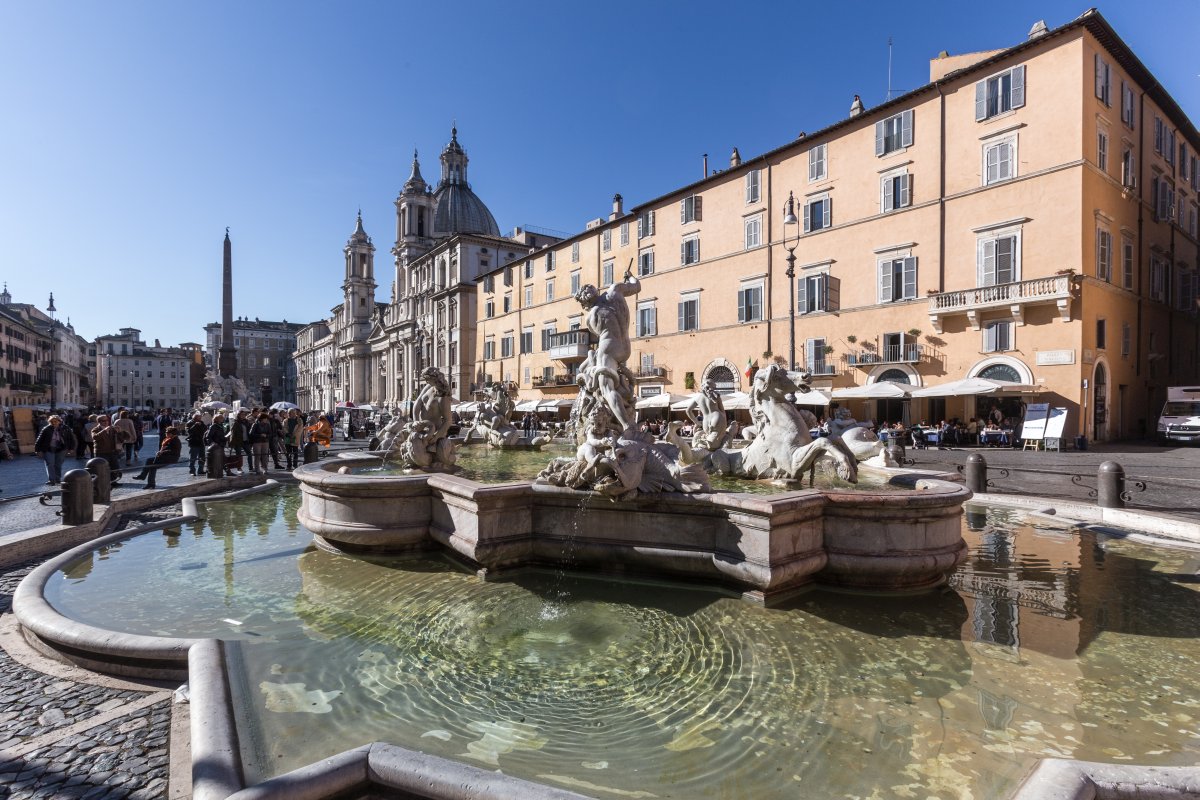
1029 215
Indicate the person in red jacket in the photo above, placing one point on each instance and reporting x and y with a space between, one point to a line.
168 453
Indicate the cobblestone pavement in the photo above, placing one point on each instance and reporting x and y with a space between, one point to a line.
63 738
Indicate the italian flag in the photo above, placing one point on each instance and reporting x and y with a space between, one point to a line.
749 368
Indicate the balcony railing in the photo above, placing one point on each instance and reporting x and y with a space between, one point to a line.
820 368
569 345
1055 289
651 372
552 381
908 353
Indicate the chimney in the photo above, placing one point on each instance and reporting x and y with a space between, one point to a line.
735 158
856 107
1038 30
618 208
706 165
157 343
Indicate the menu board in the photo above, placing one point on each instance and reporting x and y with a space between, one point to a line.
1036 415
1056 422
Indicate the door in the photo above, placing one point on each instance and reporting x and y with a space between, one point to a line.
1100 404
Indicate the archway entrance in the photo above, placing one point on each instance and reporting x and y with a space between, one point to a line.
724 378
1100 403
893 409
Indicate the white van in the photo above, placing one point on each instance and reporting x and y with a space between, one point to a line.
1180 418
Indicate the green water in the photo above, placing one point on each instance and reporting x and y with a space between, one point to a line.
491 465
1051 642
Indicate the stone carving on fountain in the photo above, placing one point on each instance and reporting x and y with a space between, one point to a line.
613 458
780 444
493 421
422 442
860 440
227 389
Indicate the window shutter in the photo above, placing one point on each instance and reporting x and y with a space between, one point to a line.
1099 76
981 100
1004 166
807 217
741 305
682 318
885 282
991 164
879 138
802 295
826 211
810 352
906 128
683 247
812 164
833 292
1018 86
989 338
987 262
683 210
697 207
1004 260
888 196
910 278
905 190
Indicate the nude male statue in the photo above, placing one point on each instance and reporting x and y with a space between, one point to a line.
710 424
608 319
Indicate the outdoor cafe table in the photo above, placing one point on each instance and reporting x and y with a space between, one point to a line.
994 437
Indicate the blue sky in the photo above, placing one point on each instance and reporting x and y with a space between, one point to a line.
133 133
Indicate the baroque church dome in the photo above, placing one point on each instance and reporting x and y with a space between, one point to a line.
457 209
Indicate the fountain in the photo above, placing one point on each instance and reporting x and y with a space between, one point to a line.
493 422
226 389
422 442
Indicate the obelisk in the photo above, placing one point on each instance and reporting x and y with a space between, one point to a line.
227 358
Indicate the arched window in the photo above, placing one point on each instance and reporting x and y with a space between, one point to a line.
893 376
1000 372
724 379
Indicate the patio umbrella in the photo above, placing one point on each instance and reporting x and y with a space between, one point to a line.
554 405
284 405
735 401
662 400
880 390
812 397
345 404
526 406
211 405
366 407
976 386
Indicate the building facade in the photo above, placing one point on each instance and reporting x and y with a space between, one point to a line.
313 359
47 359
132 374
264 355
1030 215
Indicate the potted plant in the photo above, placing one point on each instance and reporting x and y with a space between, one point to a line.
767 354
689 381
828 349
914 332
852 338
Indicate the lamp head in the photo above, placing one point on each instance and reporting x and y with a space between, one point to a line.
789 211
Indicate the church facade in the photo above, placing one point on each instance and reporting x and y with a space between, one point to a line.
374 352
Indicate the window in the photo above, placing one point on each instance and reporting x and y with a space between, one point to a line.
750 303
489 349
489 309
897 279
489 283
689 312
816 293
1000 93
624 233
550 261
1101 334
689 209
1128 169
1127 105
817 170
647 319
1102 150
894 133
999 259
1191 224
508 276
753 226
575 279
575 252
894 192
549 290
1127 261
645 262
818 214
507 303
753 183
814 357
1163 194
1158 279
645 224
606 240
528 296
689 250
997 336
1104 255
606 273
1103 81
1186 296
999 160
528 269
547 332
1126 338
506 345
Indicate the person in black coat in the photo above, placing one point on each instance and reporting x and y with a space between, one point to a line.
52 444
195 440
168 453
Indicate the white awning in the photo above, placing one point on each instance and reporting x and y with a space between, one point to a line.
554 405
735 401
525 406
976 386
812 397
880 390
661 400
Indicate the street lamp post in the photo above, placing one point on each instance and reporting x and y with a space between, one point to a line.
790 242
53 349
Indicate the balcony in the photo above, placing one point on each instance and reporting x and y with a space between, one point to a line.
652 372
570 345
1016 296
821 368
552 382
908 353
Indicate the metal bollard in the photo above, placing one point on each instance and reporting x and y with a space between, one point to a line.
77 497
101 480
216 461
1110 485
976 473
311 453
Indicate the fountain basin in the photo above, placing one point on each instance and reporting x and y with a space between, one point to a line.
765 546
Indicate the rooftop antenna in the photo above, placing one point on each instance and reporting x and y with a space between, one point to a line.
889 87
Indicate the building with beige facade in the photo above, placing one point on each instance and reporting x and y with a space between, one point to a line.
1029 215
